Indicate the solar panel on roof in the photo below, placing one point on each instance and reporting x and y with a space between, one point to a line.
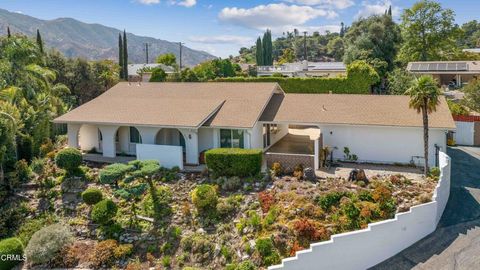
424 67
452 67
442 66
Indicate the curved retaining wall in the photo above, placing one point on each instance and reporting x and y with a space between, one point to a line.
381 240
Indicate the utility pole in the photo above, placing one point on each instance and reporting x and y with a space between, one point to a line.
305 45
180 57
146 52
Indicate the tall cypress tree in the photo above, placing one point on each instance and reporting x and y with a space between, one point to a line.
125 55
39 41
267 48
342 29
259 53
390 11
8 32
120 55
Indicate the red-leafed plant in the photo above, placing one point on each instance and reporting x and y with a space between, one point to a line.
266 200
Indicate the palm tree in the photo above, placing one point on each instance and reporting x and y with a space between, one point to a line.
424 97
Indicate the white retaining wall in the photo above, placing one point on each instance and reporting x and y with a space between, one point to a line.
167 155
365 248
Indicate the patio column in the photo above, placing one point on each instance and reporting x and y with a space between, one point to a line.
72 131
148 134
216 138
316 153
108 140
247 138
191 145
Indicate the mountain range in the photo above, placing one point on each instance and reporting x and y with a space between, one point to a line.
94 41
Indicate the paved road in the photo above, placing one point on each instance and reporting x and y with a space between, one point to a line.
456 242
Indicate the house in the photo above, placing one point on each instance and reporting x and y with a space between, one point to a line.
143 72
176 122
305 69
452 74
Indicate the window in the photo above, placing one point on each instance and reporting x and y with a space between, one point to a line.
231 138
135 135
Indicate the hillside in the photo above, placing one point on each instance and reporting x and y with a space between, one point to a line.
93 41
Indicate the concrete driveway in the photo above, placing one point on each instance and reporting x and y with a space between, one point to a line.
456 242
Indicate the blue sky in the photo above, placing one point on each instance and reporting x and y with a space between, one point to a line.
217 26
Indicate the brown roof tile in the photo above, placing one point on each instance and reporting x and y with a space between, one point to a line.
352 110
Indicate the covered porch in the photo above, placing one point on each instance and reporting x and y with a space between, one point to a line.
171 146
300 145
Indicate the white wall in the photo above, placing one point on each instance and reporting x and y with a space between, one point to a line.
381 240
382 144
167 155
205 139
465 133
256 136
282 132
88 137
124 140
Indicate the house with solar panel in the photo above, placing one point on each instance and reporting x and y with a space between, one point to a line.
304 69
450 74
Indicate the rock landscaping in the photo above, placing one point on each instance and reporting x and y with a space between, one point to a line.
141 216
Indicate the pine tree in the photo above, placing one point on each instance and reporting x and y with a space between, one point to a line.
120 55
259 52
342 29
125 55
39 41
8 32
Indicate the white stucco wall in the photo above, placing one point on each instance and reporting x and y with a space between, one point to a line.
88 137
465 132
256 136
282 132
167 155
123 145
365 248
205 139
382 144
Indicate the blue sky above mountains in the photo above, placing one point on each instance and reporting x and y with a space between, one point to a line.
217 26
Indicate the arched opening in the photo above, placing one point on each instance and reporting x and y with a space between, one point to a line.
90 138
126 139
170 136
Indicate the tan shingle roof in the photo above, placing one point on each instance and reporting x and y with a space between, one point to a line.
352 110
176 104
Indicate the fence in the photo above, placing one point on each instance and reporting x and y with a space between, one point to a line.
365 248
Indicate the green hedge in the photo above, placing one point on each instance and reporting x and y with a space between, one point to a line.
360 77
10 246
92 196
104 211
234 161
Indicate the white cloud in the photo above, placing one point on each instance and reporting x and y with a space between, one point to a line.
185 3
339 4
148 2
375 8
223 39
273 16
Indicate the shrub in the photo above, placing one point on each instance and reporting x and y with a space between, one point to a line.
234 161
267 252
28 228
25 147
271 217
123 251
158 75
232 183
113 173
298 171
104 211
166 261
68 159
38 165
266 200
46 147
164 195
246 265
10 246
103 253
277 169
47 242
23 172
330 199
92 196
306 229
434 172
204 197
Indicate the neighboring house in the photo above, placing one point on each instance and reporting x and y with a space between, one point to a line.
468 130
450 74
305 69
142 72
175 122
